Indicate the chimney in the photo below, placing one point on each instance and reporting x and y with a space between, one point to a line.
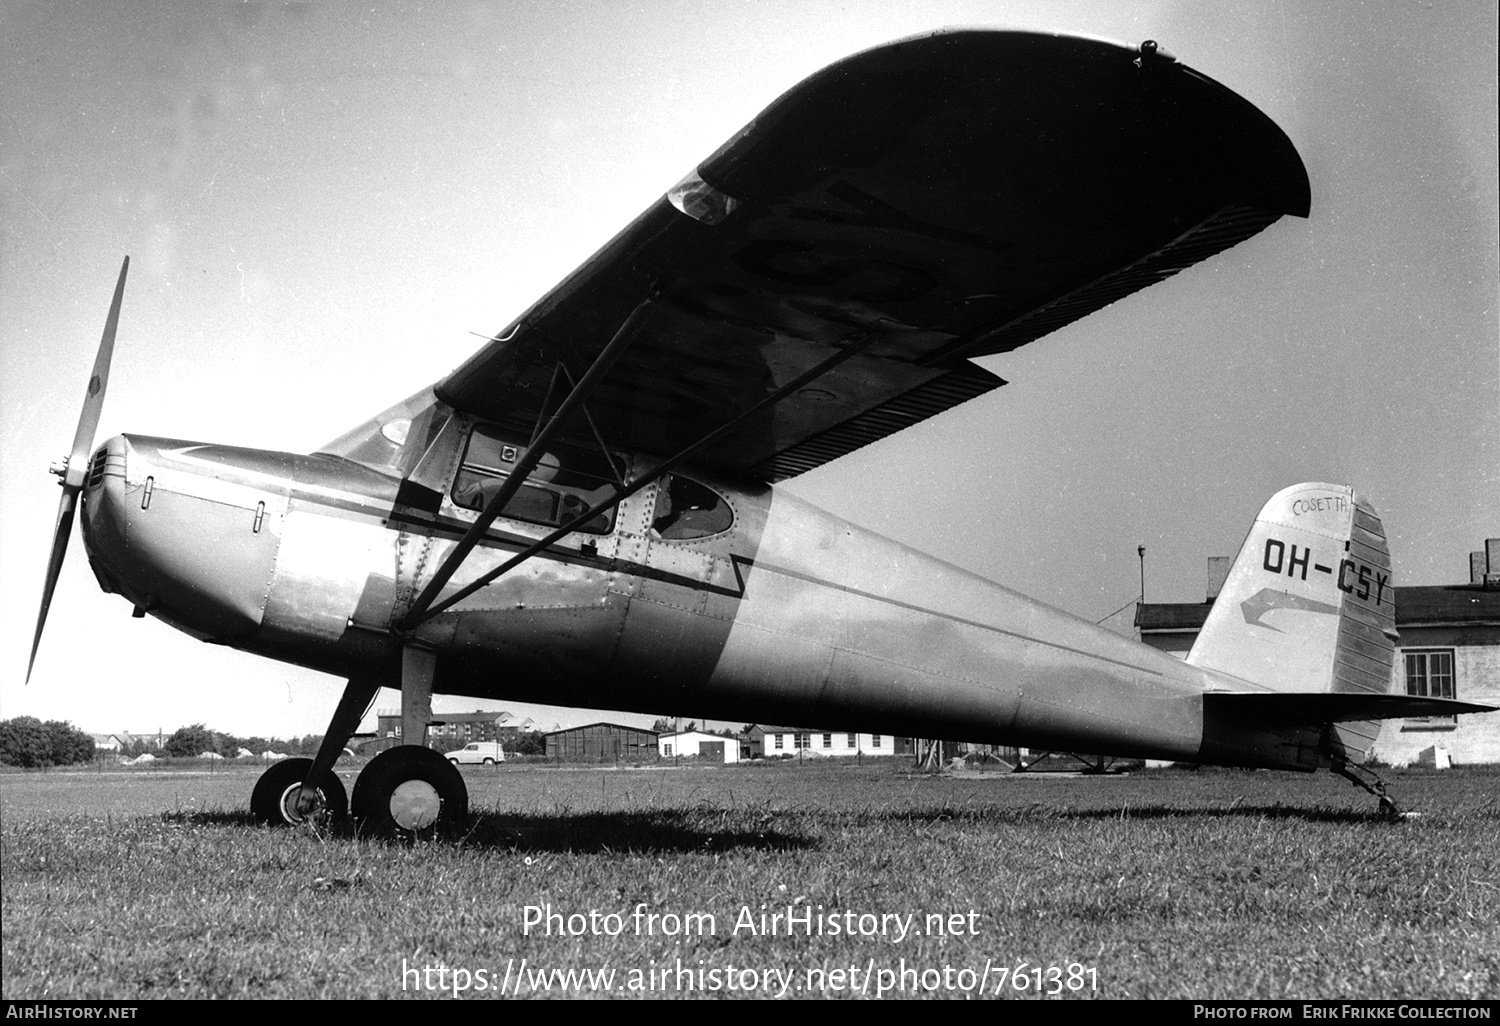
1218 572
1476 567
1492 562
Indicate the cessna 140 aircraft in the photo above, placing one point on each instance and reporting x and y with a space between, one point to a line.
586 513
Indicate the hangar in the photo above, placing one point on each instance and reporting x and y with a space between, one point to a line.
602 742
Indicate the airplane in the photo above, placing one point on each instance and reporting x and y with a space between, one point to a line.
586 511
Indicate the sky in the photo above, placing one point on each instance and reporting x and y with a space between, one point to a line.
325 204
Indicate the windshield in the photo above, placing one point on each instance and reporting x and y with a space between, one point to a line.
393 441
566 480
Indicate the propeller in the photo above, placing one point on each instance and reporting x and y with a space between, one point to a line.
74 469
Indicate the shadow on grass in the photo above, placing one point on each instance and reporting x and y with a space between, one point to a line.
1039 813
1305 815
655 832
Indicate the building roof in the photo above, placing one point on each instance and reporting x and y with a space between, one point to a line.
1426 605
1443 605
477 716
1159 617
473 717
601 723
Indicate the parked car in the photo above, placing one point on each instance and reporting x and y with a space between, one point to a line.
476 753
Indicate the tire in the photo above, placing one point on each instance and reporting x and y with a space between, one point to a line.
489 762
408 789
275 795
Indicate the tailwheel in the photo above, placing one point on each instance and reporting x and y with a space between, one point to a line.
410 788
1388 808
279 796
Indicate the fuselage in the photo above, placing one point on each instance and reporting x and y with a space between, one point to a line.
768 610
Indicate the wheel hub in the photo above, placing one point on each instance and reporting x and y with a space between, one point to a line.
304 803
291 800
415 805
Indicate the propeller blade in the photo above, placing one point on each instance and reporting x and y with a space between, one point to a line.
60 535
93 399
76 469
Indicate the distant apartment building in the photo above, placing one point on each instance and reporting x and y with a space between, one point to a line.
447 731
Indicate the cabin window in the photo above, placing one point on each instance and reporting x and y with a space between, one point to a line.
565 482
800 741
780 742
827 740
687 509
874 740
853 740
1429 674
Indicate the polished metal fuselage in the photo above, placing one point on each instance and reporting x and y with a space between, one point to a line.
793 615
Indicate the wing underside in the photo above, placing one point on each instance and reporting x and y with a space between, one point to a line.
906 209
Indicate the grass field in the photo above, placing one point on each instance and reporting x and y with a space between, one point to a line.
1160 884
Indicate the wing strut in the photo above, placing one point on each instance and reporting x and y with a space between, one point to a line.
523 468
420 612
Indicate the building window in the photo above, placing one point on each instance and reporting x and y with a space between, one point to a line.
874 740
853 740
799 740
1429 674
827 740
780 742
667 749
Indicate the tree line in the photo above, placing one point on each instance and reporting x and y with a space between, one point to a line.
28 742
32 744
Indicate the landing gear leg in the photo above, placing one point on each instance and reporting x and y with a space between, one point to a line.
418 668
278 798
411 787
1373 784
287 794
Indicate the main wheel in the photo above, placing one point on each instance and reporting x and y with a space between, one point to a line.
275 798
410 788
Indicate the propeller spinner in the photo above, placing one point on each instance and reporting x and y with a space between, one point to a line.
73 471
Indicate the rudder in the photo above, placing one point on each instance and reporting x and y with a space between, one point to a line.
1308 606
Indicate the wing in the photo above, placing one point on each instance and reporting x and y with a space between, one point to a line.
915 205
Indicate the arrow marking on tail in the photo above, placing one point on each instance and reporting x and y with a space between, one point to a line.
1262 602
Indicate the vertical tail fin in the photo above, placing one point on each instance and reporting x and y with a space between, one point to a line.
1308 606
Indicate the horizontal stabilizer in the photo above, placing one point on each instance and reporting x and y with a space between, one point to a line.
1301 709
